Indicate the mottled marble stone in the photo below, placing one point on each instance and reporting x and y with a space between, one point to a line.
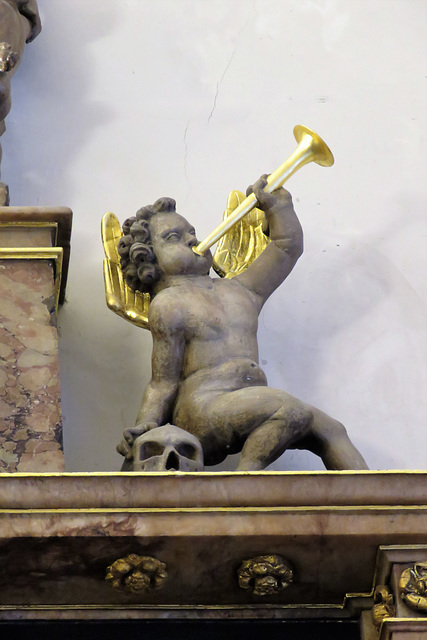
30 414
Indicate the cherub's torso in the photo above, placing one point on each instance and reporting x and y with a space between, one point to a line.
218 319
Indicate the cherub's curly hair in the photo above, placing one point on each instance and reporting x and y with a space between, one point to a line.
137 258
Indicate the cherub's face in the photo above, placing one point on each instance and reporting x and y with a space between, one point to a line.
173 239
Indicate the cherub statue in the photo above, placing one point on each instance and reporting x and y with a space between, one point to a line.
205 373
19 23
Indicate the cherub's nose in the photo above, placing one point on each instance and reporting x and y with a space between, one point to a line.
191 240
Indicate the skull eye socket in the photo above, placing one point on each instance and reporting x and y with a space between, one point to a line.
150 449
187 450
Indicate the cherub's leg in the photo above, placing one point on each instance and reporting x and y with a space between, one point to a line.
266 443
328 439
259 421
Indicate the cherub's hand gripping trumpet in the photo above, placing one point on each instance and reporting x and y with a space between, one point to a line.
311 148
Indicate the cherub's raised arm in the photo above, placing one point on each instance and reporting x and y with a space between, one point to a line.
276 262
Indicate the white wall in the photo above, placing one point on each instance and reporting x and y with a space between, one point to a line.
119 102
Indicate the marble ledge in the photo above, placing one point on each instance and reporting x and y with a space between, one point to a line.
211 490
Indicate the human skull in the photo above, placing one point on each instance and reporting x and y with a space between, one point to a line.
167 448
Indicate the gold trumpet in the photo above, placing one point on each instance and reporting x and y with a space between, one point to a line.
311 148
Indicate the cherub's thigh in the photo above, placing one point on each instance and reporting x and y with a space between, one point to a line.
246 409
223 421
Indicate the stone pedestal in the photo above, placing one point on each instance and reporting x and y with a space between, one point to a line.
34 250
391 617
173 544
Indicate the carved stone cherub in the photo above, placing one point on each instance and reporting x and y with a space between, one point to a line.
205 373
19 23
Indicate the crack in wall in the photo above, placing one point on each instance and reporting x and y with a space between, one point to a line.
218 84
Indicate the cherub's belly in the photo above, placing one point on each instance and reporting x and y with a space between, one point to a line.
236 373
197 395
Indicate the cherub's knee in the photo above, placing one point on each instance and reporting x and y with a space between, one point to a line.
330 431
298 419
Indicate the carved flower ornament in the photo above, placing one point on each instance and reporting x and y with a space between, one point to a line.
136 574
265 575
413 586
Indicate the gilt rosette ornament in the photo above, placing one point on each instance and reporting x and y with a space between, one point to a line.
265 575
413 586
136 574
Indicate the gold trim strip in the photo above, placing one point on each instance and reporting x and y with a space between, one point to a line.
211 474
286 509
38 253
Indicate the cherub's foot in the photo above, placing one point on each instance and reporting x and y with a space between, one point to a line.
4 195
8 57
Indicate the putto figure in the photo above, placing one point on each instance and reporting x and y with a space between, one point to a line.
205 373
19 23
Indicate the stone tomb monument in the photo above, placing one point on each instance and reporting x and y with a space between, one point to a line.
255 545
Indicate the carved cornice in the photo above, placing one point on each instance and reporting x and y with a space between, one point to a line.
58 220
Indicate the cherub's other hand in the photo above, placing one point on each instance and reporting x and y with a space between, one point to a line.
130 435
269 200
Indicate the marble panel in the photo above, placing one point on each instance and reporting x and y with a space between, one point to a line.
30 414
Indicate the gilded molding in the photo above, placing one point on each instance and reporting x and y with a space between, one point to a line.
38 253
136 574
265 575
56 219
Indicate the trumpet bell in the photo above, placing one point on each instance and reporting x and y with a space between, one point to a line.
311 148
321 153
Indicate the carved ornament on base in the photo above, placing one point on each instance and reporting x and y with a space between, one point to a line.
136 574
383 605
413 586
265 575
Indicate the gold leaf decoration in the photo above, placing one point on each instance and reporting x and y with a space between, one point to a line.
413 586
136 574
243 243
383 605
128 304
265 575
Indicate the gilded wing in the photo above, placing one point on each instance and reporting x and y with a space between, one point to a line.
243 243
128 304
